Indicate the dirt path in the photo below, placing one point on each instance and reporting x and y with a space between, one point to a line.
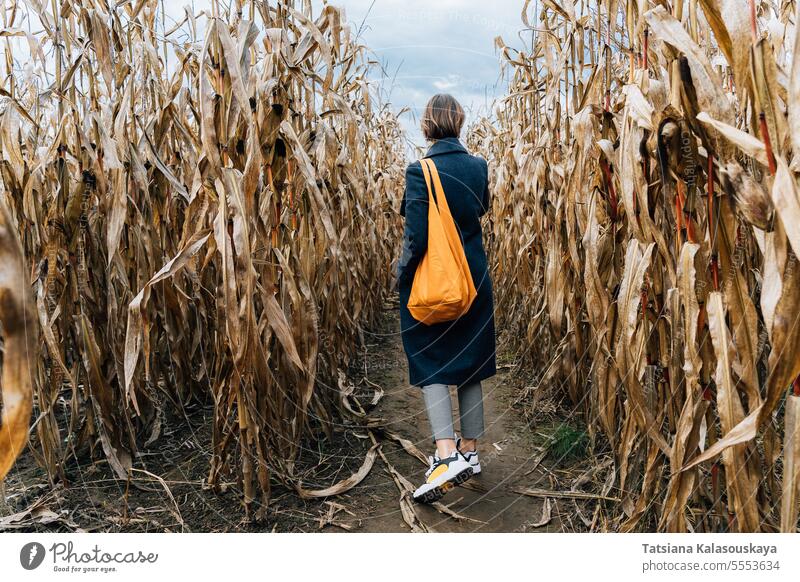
508 452
513 456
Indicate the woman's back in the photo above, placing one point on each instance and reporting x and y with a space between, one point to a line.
464 180
460 352
463 350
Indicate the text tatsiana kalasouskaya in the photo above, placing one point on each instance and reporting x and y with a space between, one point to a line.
709 549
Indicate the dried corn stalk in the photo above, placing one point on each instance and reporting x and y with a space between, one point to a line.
645 234
20 351
207 219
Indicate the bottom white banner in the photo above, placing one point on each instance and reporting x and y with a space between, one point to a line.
354 557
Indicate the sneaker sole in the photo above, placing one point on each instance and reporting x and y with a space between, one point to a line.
437 493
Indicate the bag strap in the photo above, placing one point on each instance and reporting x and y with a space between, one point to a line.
432 175
427 174
439 205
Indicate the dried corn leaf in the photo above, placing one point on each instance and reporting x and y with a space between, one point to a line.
20 345
791 465
345 484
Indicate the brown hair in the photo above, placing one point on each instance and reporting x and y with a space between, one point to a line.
443 117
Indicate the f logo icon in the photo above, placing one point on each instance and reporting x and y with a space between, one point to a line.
31 555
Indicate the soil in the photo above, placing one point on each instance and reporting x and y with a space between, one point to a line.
171 495
507 452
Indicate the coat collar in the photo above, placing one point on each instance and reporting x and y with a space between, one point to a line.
445 146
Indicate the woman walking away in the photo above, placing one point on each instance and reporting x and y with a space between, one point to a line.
459 352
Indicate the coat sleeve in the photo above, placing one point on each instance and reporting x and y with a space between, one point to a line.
415 234
485 195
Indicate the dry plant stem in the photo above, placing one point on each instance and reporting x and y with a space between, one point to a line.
614 310
5 509
20 345
186 220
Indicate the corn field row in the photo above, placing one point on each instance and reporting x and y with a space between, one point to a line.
206 215
646 232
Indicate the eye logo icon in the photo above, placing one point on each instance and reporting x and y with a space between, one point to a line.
31 555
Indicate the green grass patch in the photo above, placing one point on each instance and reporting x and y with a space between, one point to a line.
569 442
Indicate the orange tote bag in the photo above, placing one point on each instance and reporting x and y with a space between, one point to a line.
442 289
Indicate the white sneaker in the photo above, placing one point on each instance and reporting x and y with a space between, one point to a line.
443 475
471 457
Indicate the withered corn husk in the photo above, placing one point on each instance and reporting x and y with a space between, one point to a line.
208 211
645 232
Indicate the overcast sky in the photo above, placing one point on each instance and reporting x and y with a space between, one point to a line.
429 47
422 47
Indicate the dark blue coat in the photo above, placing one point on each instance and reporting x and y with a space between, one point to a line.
460 351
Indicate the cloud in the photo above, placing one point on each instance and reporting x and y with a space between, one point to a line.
446 84
423 49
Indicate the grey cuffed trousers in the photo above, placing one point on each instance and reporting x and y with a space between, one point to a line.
440 410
